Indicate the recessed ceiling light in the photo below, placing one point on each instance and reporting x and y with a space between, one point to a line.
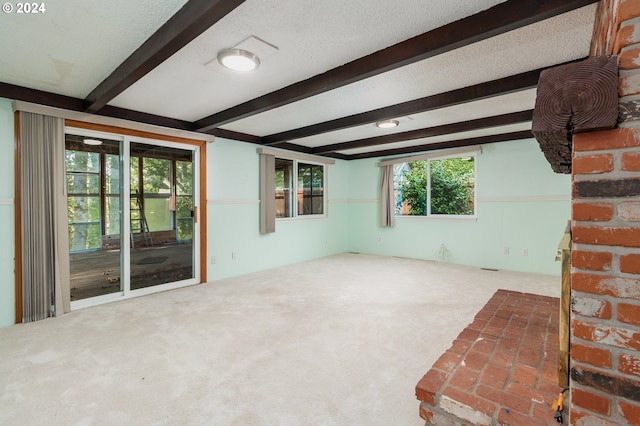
92 142
238 60
387 124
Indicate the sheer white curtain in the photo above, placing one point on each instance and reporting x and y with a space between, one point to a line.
387 201
45 239
267 194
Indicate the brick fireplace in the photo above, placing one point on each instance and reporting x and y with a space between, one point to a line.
605 278
604 385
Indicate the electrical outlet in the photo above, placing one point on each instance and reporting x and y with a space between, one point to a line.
506 250
525 252
234 256
213 260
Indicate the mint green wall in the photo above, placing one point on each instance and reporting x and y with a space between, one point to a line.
233 214
7 283
521 204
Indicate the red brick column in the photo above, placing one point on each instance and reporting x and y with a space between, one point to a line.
605 279
605 323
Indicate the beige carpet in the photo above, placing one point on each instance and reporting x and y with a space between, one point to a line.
341 340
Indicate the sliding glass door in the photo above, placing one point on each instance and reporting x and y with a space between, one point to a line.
133 230
162 215
94 190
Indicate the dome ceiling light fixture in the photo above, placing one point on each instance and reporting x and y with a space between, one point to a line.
387 124
93 142
238 60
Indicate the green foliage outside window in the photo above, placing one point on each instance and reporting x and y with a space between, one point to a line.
83 202
452 187
413 188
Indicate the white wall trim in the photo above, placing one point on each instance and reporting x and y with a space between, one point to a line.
363 201
6 201
541 198
233 201
533 199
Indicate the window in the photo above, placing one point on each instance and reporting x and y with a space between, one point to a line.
284 188
184 199
435 187
308 187
83 200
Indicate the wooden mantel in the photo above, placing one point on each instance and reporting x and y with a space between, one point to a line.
574 98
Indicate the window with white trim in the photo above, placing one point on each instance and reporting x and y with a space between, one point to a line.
299 188
438 186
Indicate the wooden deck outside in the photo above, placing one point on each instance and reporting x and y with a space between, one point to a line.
97 273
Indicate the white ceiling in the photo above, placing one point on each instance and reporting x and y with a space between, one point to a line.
76 44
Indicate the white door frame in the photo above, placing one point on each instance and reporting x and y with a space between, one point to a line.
125 254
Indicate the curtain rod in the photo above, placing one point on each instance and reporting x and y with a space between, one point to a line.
292 155
432 154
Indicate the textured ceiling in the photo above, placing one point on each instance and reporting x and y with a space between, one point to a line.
311 36
495 58
75 45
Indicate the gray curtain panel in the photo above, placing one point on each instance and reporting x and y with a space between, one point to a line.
267 194
45 239
387 202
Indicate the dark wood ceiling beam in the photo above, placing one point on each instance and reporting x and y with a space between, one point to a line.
19 93
194 18
503 86
336 155
525 134
297 148
497 20
462 126
236 136
39 97
143 117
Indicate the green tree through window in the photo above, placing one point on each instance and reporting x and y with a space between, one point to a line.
446 186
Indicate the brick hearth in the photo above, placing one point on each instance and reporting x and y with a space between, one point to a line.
501 370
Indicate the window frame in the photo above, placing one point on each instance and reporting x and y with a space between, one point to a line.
429 158
295 214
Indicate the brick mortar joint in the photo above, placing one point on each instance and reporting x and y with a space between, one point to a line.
615 264
595 248
613 419
614 223
613 402
599 201
595 152
615 174
629 124
611 323
616 170
595 391
612 273
612 397
614 370
629 47
627 72
628 98
601 297
439 411
629 22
